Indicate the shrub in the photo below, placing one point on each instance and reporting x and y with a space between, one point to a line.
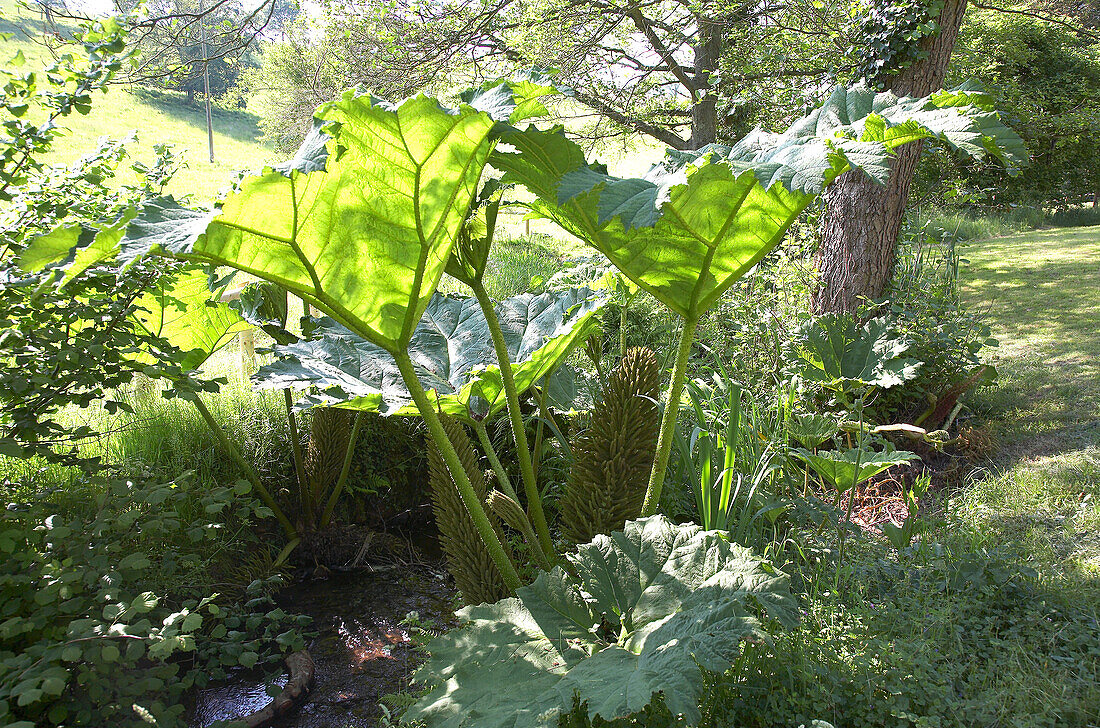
89 633
747 330
96 625
944 335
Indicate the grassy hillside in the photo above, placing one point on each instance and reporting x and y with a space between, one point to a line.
153 116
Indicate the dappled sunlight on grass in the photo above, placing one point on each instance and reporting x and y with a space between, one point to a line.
1043 290
1051 505
1042 294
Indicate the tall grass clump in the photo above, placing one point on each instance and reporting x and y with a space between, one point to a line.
515 262
165 437
169 435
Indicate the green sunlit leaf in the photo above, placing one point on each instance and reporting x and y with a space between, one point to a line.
701 219
183 312
365 238
835 349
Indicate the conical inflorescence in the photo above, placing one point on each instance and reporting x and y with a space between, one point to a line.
468 560
612 459
330 431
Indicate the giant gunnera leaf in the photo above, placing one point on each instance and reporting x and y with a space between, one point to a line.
648 607
837 351
700 220
361 222
182 311
452 352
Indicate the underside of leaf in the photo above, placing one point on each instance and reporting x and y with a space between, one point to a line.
182 311
701 219
451 349
361 223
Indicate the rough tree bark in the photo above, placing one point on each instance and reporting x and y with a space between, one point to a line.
704 110
862 219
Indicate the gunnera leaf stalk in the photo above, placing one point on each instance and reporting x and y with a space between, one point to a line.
345 470
668 421
467 264
523 449
607 483
246 467
468 558
295 441
474 505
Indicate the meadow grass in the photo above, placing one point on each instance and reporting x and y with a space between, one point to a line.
164 437
1042 292
153 116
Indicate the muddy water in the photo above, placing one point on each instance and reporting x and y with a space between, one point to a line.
361 650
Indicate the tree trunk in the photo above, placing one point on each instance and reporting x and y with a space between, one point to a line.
704 112
859 233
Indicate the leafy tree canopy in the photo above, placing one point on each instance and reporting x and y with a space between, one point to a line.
1045 78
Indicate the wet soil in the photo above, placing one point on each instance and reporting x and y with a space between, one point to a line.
362 649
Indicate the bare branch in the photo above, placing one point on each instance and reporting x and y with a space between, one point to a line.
659 133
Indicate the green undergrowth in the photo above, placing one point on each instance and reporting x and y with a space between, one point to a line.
1043 487
992 617
943 635
951 632
168 436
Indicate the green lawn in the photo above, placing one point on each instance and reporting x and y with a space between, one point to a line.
1042 294
154 116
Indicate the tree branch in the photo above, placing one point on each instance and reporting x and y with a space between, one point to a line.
659 133
655 42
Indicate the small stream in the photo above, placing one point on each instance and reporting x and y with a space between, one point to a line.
361 651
